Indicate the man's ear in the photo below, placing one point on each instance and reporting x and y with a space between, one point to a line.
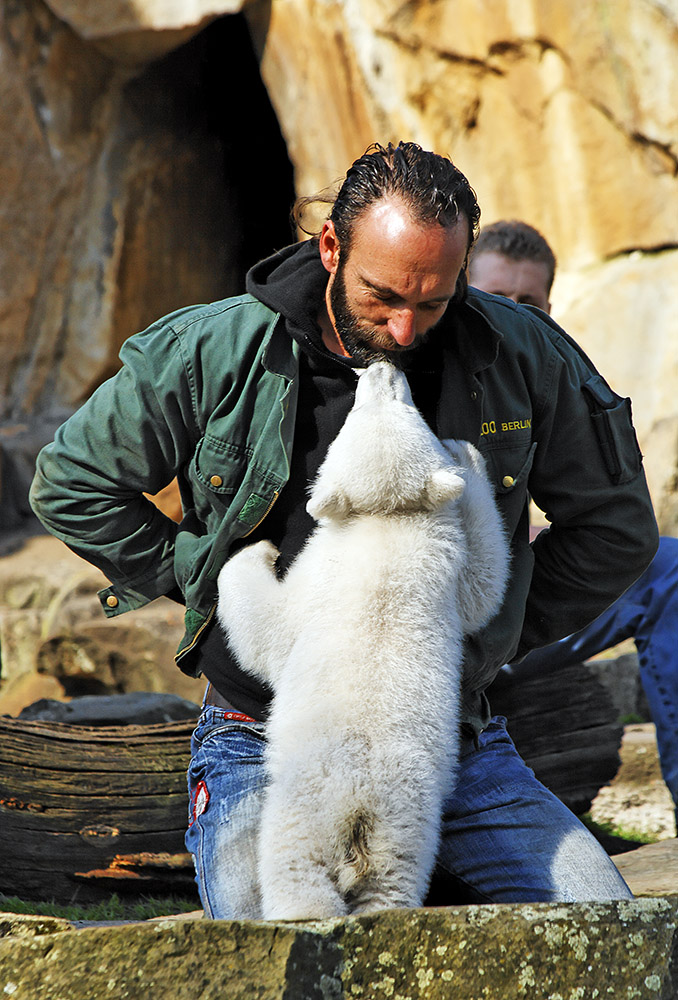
328 245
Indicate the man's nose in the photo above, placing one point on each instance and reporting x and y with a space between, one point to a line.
402 326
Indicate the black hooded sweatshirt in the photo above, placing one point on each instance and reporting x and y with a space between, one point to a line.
293 282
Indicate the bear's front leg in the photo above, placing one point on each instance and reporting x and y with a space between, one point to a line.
484 577
250 610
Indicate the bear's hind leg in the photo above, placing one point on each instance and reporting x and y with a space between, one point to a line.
298 894
391 884
296 872
402 849
294 877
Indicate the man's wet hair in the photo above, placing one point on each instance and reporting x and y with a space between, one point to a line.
430 186
518 241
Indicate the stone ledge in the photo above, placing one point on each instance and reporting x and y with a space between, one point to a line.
554 952
14 925
651 870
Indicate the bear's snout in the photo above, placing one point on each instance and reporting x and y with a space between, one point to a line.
382 381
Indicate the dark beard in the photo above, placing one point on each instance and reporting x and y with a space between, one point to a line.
352 335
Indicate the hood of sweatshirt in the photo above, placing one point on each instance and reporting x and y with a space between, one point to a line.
293 282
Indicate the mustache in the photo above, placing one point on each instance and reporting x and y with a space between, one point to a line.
365 344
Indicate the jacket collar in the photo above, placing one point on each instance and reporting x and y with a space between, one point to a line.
277 357
478 339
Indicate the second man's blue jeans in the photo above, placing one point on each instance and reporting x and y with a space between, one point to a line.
648 613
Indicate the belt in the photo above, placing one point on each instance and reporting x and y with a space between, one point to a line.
214 699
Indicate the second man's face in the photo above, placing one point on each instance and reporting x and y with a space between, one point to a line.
523 281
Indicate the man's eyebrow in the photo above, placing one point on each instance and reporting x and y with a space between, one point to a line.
386 292
382 289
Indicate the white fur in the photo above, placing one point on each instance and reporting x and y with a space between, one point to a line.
362 643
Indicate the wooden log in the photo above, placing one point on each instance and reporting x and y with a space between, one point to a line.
85 811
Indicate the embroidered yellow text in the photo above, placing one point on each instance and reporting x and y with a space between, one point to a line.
491 426
516 425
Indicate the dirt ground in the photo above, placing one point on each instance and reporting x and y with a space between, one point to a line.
637 801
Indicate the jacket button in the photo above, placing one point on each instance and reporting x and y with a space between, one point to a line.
112 601
216 481
508 481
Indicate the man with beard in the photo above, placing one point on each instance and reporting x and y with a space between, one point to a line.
240 399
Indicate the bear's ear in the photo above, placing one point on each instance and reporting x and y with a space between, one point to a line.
444 485
465 454
330 504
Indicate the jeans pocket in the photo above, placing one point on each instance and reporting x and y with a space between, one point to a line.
227 762
226 781
213 721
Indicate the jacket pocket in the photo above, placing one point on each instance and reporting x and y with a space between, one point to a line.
613 424
509 469
217 469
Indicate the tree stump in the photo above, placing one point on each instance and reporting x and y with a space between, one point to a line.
87 811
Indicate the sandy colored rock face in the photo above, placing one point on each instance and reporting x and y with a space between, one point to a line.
117 17
102 225
548 109
135 33
563 116
624 313
112 212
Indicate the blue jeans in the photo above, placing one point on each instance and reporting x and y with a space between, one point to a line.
648 613
505 837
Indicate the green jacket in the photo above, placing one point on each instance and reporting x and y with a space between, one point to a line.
210 393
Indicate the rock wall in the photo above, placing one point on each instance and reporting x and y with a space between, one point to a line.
539 951
121 197
563 115
98 199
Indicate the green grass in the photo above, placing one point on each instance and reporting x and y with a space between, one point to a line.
617 831
632 719
109 909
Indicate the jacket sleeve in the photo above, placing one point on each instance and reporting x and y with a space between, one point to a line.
587 477
130 437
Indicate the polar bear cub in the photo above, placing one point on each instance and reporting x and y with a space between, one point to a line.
361 643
